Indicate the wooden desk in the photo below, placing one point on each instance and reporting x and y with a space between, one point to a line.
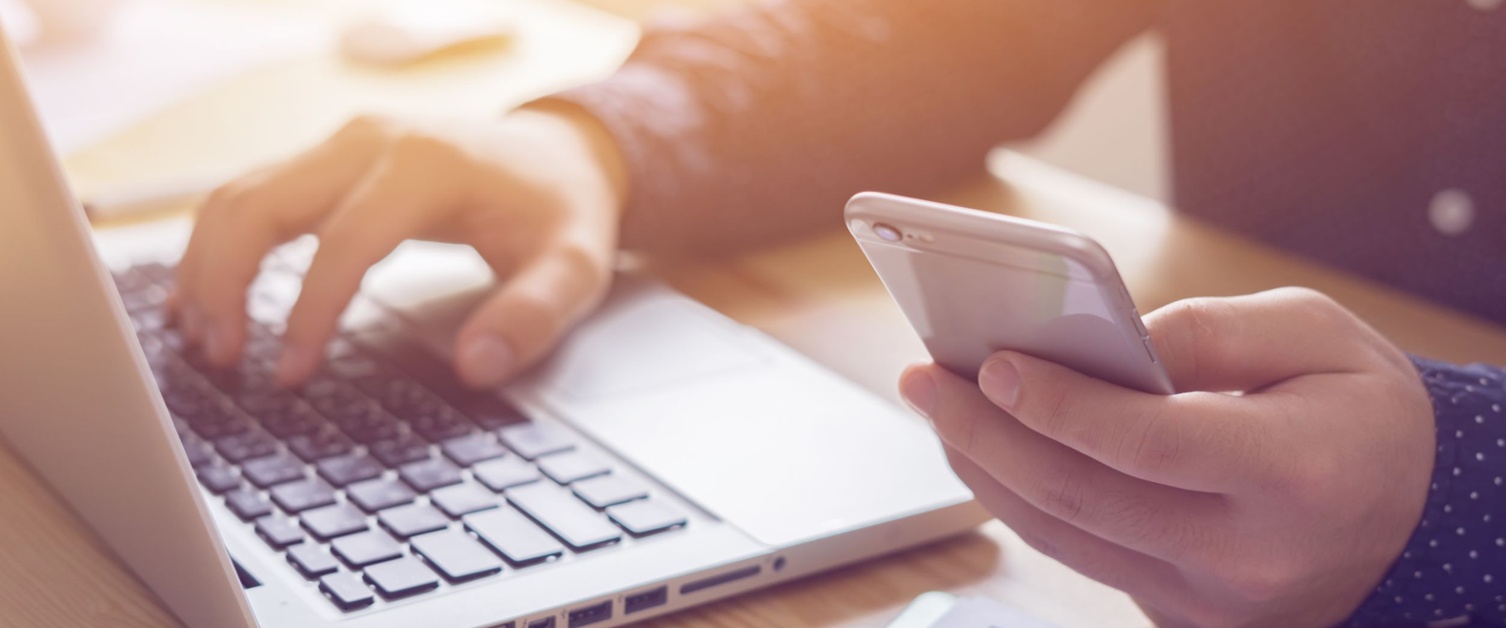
817 295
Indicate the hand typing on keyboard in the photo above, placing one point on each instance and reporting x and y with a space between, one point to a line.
537 193
383 477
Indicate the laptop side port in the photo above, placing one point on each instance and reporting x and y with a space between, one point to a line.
587 615
547 622
644 600
719 579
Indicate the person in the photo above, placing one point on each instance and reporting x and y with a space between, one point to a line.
1309 473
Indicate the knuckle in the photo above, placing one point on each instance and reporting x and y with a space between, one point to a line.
365 126
1201 323
1151 448
1061 494
415 147
1263 581
584 262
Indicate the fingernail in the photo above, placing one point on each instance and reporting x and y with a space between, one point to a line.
1000 380
919 390
292 364
486 360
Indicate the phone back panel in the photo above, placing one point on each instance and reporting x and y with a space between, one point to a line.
973 283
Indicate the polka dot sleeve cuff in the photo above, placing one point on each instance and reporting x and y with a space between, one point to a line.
1453 570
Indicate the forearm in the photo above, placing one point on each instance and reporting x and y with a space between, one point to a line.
1455 563
763 122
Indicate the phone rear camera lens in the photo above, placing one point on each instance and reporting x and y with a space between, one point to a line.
886 232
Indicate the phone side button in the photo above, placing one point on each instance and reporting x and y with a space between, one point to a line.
1139 324
1150 349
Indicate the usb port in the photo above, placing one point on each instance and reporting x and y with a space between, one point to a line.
592 614
645 600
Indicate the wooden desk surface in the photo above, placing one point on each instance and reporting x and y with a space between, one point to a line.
817 295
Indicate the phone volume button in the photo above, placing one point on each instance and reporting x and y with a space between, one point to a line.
1139 324
1150 349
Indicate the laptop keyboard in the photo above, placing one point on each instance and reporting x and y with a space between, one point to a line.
383 476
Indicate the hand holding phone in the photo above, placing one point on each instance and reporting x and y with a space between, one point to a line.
973 283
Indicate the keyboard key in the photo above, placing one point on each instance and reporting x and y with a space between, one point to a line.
244 446
247 504
325 443
218 479
469 450
369 424
336 400
344 470
378 494
645 517
346 590
284 423
443 423
572 466
573 522
487 411
608 490
462 499
311 560
146 298
199 452
158 273
504 473
365 548
402 577
278 531
427 475
271 470
455 555
302 495
406 521
537 439
513 536
400 451
332 521
219 424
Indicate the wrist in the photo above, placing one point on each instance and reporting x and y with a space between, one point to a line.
594 139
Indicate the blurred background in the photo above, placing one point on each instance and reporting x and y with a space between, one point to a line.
100 67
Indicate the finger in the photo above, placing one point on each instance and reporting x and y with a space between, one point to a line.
1249 342
532 309
1158 520
242 221
1144 577
390 203
1198 441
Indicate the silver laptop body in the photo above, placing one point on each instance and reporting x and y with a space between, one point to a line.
763 466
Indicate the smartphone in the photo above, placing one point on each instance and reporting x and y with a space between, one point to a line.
973 283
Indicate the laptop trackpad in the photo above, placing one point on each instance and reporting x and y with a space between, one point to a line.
753 432
644 339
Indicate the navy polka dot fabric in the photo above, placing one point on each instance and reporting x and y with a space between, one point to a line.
1453 570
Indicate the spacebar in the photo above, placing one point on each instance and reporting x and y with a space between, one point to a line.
573 522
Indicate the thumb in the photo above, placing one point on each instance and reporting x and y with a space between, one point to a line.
529 313
1250 342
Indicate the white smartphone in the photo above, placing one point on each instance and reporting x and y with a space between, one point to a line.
973 283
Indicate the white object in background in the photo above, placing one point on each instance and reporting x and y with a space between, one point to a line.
19 22
150 196
64 21
944 610
151 54
402 32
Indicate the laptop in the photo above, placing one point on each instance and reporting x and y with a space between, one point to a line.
662 458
